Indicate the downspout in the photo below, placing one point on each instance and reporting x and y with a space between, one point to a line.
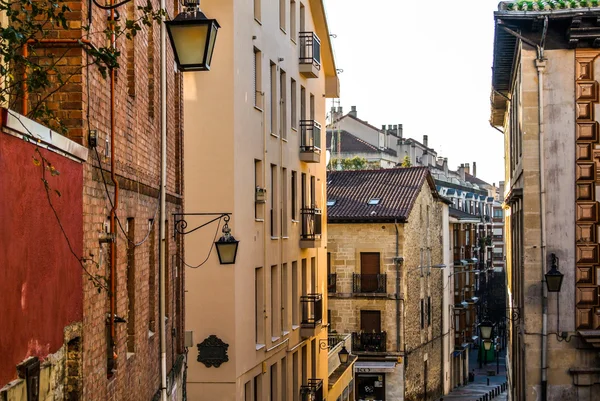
113 210
397 261
540 64
163 203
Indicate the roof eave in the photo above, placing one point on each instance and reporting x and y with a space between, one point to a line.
332 81
365 219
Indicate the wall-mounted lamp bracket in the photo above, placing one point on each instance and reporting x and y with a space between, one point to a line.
180 223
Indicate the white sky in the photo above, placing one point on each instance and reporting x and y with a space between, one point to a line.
426 65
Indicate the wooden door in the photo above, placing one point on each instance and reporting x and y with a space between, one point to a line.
370 321
369 270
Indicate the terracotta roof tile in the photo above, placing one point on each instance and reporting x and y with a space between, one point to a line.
353 144
396 188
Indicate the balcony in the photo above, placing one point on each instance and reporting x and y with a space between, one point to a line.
312 391
310 54
369 342
369 283
331 281
310 146
311 228
312 314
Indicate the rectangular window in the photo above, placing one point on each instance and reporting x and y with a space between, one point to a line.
312 107
273 200
294 204
282 104
422 313
274 382
258 388
313 275
295 377
260 196
293 31
429 311
304 364
131 285
304 278
167 271
259 305
302 18
284 373
313 358
284 203
282 14
313 192
257 10
303 191
293 104
151 277
275 308
273 98
302 102
258 93
284 297
295 296
248 391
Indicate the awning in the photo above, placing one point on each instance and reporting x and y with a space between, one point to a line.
375 367
461 262
472 260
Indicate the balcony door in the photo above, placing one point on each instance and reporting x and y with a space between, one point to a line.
369 271
370 321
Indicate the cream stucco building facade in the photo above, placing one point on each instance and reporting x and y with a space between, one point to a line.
253 149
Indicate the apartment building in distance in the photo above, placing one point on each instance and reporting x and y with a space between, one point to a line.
385 231
255 150
544 98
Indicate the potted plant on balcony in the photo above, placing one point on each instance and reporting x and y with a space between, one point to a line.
261 195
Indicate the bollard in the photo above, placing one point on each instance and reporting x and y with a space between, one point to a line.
488 381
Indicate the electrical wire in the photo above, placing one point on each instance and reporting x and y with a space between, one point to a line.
111 7
135 244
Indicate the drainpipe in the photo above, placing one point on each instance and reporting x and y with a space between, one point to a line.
397 261
163 204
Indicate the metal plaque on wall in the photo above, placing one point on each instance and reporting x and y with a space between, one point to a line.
212 351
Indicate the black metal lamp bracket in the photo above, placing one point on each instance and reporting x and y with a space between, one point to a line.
180 223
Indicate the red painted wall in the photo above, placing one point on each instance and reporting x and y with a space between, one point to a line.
40 279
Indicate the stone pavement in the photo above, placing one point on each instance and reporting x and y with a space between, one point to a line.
476 390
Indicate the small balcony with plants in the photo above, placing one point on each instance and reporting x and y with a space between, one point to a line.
312 390
369 284
310 237
310 145
310 54
369 342
312 314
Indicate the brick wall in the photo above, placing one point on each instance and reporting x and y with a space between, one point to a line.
137 160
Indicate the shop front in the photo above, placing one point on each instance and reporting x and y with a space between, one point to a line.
378 381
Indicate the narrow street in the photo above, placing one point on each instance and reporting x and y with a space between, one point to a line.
477 389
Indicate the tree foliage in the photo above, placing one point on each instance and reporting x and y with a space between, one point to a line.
354 163
406 162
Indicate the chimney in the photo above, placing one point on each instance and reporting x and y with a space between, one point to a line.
383 128
400 130
353 112
335 114
461 172
425 141
445 165
474 169
467 168
390 127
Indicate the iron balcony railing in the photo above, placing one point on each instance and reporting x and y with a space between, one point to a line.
369 342
331 281
369 283
310 49
312 391
312 310
310 134
335 339
311 223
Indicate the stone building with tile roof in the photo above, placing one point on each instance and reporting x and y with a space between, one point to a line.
386 228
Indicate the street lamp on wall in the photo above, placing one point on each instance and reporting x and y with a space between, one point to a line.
343 355
487 345
192 37
485 328
554 278
227 245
